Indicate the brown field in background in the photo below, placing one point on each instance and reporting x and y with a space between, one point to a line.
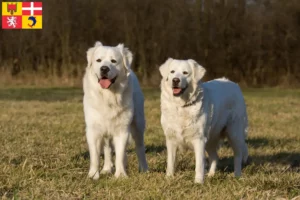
44 153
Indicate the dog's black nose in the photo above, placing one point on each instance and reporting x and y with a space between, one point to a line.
104 69
175 81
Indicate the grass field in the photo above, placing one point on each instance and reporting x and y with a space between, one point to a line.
43 151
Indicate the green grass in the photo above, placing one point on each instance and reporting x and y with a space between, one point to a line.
43 151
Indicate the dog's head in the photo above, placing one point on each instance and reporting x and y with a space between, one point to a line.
181 74
109 63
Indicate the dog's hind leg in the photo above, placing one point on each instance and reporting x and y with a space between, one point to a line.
138 137
237 141
246 159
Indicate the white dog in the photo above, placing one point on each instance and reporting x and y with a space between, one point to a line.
200 114
113 108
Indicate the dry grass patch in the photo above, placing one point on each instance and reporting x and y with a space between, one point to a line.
44 151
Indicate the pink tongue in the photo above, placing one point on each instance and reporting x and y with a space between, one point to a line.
176 90
105 83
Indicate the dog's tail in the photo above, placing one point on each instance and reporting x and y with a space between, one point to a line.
243 113
246 125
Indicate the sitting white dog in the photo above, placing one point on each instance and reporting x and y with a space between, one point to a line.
200 114
113 108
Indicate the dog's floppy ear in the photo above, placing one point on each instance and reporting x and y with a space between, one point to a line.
164 68
127 56
90 52
198 70
89 55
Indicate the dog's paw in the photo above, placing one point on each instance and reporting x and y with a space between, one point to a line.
94 174
106 171
199 180
121 175
170 177
211 174
143 169
169 174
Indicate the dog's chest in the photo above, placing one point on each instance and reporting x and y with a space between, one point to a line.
184 124
108 114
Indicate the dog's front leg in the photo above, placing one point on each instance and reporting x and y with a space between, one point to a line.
108 164
94 143
171 148
199 148
120 142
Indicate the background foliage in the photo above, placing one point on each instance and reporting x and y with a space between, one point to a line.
253 42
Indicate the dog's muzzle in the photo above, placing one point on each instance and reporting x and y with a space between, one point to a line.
104 70
177 91
105 82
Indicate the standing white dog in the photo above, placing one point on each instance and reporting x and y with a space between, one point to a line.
113 108
200 114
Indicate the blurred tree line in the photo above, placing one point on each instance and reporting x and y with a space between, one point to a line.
255 42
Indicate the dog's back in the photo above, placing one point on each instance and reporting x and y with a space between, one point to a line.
228 104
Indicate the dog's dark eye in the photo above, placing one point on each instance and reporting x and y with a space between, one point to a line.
172 71
113 61
185 72
99 60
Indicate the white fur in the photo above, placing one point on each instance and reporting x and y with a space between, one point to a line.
201 116
112 114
